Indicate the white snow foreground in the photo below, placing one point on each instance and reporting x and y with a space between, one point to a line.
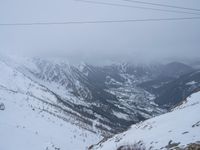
179 127
24 125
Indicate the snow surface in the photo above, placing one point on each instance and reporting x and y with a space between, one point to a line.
73 85
181 125
30 120
191 83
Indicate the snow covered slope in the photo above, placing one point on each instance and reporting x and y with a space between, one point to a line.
52 101
179 127
104 99
33 119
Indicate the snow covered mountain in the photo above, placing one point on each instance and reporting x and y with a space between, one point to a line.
32 118
103 99
169 92
57 104
176 129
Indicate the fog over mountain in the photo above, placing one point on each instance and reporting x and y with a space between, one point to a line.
99 74
99 43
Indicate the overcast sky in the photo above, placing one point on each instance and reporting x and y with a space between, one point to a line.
136 41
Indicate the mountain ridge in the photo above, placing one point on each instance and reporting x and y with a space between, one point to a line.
101 101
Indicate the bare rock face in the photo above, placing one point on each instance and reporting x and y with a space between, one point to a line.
2 106
193 146
136 146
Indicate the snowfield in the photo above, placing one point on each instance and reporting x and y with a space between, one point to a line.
30 120
82 91
45 105
179 127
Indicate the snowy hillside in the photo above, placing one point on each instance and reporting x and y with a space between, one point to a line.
32 119
103 99
177 128
51 104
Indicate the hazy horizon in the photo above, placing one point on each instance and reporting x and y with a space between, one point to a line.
96 43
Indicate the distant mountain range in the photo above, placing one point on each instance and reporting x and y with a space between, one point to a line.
100 100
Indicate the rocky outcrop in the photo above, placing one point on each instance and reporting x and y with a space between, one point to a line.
2 106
